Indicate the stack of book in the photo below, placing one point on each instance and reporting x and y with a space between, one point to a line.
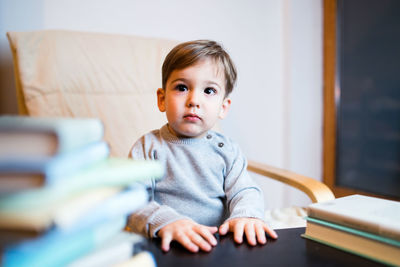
63 200
366 226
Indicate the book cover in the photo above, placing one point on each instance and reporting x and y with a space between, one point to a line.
122 203
369 214
58 248
48 170
66 211
14 182
351 240
108 172
44 136
120 248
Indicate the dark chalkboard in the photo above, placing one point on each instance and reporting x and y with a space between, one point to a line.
368 96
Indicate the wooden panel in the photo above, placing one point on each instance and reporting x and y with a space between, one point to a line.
332 93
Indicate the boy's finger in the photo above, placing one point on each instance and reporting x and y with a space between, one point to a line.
260 233
187 243
200 242
238 230
250 234
212 229
270 232
166 241
207 235
223 229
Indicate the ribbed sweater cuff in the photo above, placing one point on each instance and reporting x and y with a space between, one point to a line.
246 214
164 216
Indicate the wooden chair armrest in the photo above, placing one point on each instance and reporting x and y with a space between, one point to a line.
314 189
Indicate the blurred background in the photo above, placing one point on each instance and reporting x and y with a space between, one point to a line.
276 113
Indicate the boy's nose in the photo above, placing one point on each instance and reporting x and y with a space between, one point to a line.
193 100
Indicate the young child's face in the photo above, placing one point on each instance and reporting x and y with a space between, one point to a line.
194 99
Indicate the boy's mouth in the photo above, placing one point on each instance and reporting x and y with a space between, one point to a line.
192 117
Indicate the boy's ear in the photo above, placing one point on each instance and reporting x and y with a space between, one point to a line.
161 99
226 104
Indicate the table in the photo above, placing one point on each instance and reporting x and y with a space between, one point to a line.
289 250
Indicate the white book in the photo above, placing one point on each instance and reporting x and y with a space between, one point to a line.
120 248
369 214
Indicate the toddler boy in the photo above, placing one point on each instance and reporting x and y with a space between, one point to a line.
206 183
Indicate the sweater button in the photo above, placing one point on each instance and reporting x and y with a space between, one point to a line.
220 144
209 136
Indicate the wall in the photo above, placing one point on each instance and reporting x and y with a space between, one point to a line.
276 45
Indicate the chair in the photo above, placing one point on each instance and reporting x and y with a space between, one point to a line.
110 76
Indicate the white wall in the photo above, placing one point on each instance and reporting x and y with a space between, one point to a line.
276 45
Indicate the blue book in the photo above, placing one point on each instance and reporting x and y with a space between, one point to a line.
79 210
22 136
58 248
119 204
59 165
23 173
109 172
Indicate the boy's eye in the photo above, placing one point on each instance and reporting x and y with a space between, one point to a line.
181 87
210 91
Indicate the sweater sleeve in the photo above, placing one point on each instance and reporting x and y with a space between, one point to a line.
152 217
244 198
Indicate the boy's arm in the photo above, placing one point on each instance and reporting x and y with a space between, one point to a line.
244 197
152 217
245 202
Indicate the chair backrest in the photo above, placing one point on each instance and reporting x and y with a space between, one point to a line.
81 74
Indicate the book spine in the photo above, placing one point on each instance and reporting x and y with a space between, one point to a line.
354 222
110 172
71 133
59 248
58 166
121 204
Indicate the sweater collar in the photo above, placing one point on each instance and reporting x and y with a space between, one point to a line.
171 138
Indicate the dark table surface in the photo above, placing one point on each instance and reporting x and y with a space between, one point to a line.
289 250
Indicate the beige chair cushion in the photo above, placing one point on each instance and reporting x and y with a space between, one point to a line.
80 74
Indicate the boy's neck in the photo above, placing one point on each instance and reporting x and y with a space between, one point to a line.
171 137
172 132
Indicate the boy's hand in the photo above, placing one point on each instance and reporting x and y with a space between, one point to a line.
253 228
191 235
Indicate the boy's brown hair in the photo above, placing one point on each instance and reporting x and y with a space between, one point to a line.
189 53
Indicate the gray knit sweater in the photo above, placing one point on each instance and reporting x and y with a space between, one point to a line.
206 180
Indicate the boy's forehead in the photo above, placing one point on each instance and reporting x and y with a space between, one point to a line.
209 65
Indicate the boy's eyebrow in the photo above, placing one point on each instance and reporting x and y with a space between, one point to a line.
180 79
187 81
212 82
